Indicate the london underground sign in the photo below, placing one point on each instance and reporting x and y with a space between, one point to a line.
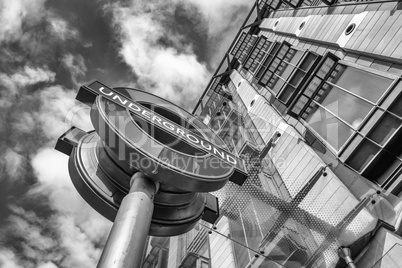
140 133
164 141
167 125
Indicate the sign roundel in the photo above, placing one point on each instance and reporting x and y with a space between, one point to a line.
141 131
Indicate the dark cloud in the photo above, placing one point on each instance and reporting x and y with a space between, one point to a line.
96 43
189 25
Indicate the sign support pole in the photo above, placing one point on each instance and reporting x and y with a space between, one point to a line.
126 244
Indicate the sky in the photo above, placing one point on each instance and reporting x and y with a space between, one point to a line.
47 50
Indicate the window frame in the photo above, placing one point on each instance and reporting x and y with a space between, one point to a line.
272 51
361 134
245 51
307 73
274 55
254 59
375 106
296 67
238 44
311 77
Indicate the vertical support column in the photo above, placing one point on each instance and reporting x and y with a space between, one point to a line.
126 243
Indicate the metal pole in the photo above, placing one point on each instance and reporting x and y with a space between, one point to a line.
126 243
345 254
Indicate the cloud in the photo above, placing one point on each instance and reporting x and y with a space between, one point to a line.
76 66
69 235
60 28
35 120
16 102
220 14
171 72
17 14
223 19
73 233
59 110
25 122
8 259
55 175
24 77
31 233
36 244
78 226
17 17
65 239
47 265
13 162
32 32
81 250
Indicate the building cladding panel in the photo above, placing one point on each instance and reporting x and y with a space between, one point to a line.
311 100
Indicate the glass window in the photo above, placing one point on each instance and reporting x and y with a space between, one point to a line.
268 60
308 61
330 128
272 82
312 87
283 64
266 77
277 86
287 71
389 168
257 53
238 43
289 54
274 64
396 107
204 264
253 66
299 105
281 68
284 49
241 252
362 83
287 93
296 57
336 73
362 156
386 126
297 77
325 68
260 73
204 250
348 107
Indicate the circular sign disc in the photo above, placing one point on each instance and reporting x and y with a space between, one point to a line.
162 140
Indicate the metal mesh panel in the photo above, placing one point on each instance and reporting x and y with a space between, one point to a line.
292 216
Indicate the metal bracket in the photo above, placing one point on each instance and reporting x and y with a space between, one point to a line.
211 211
69 140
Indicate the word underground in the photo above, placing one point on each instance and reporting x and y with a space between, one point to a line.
166 124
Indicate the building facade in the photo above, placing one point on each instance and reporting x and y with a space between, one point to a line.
309 94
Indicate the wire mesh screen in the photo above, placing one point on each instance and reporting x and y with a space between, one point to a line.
296 214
